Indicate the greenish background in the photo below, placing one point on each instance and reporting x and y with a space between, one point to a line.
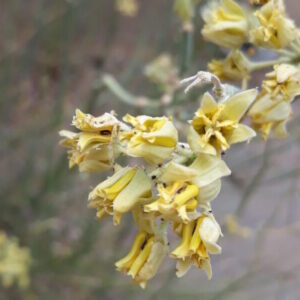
53 54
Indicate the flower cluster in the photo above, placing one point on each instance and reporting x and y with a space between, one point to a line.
14 262
174 186
272 108
267 26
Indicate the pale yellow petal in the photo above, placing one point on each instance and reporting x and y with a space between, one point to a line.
68 134
166 136
139 187
151 153
240 134
237 105
92 166
197 145
108 182
87 139
208 168
280 112
174 172
151 266
262 104
208 104
207 268
209 192
279 130
182 267
284 71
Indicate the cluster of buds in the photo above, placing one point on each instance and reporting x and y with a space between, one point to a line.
267 26
171 184
14 262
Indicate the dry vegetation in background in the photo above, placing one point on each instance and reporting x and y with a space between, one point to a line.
53 54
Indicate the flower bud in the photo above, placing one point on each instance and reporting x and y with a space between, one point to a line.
226 24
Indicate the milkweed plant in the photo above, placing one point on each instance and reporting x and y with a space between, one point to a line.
172 184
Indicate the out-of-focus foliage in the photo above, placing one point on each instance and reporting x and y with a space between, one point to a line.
14 262
53 55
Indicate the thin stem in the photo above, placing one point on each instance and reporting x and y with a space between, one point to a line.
244 83
112 84
255 66
295 47
285 52
187 50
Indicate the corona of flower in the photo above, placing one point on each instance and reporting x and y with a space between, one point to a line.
14 262
198 240
154 139
184 188
234 67
92 149
283 82
275 29
270 115
226 24
216 125
144 258
121 193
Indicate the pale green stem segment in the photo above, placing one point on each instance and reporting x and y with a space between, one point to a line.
112 84
255 66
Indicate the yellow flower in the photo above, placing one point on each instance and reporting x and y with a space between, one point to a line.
92 149
269 115
234 67
226 24
198 240
284 81
184 188
154 139
103 125
120 193
176 201
275 29
128 8
89 153
216 125
14 262
144 258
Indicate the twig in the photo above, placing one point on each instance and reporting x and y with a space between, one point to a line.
112 84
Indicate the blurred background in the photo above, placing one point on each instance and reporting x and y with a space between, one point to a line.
53 55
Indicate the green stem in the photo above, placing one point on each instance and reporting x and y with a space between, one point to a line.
295 47
255 66
112 84
187 50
